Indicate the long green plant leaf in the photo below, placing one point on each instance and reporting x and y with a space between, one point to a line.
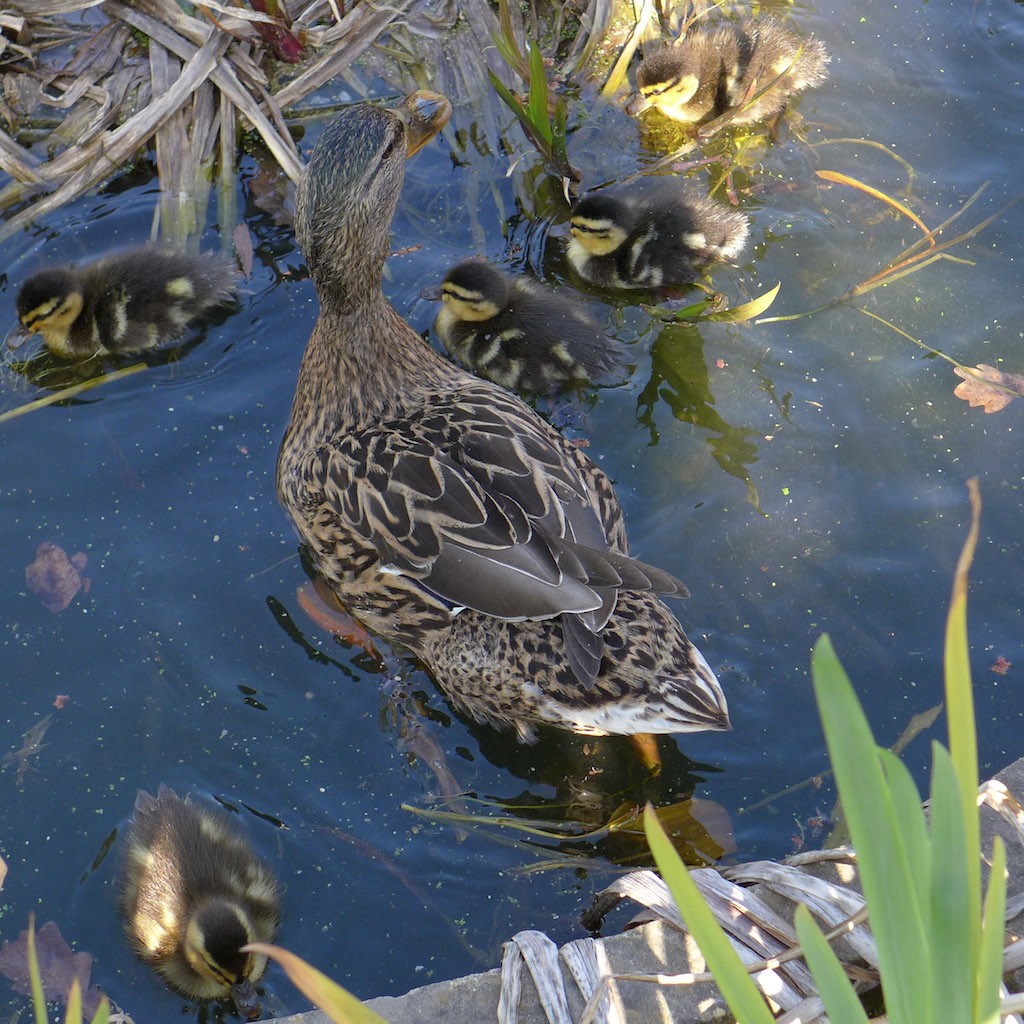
885 872
340 1005
841 1002
954 931
732 978
990 964
73 1014
963 741
35 979
537 106
913 827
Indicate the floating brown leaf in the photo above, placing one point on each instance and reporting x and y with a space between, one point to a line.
977 391
58 967
55 577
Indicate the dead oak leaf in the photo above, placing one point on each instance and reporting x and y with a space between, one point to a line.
58 967
988 387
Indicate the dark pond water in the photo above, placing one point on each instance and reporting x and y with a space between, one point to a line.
191 662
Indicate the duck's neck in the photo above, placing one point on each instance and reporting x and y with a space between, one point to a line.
363 366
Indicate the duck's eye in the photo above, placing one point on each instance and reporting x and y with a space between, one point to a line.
388 150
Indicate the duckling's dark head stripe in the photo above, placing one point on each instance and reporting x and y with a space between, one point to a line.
458 292
43 294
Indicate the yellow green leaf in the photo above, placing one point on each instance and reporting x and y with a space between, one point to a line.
341 1006
746 310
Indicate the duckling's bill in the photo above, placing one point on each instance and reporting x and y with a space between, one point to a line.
16 337
425 113
246 999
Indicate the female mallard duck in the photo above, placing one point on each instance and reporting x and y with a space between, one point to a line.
192 893
123 302
712 70
656 237
445 513
521 335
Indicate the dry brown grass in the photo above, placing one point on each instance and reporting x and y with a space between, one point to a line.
96 83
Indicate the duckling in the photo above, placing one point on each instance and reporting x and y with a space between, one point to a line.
522 335
445 513
657 237
125 301
712 70
192 893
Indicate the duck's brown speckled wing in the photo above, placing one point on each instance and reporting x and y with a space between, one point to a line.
483 508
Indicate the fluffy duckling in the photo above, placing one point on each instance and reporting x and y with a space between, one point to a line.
125 301
658 237
712 70
192 893
522 335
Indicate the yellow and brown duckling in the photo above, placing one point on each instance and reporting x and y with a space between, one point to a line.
714 69
521 334
446 514
192 893
126 301
658 236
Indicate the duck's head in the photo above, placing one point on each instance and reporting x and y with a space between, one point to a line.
48 304
348 194
214 937
475 291
667 79
600 224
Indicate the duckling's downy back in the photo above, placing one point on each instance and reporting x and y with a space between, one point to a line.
125 301
192 891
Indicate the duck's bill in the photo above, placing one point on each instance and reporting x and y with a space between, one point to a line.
425 113
637 104
246 999
17 336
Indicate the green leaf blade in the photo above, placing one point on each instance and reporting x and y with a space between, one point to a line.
340 1005
963 739
990 962
914 829
834 987
954 930
745 310
737 986
537 108
881 856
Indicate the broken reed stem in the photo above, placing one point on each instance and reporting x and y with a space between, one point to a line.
911 260
71 392
844 179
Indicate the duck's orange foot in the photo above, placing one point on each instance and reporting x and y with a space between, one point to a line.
321 605
646 746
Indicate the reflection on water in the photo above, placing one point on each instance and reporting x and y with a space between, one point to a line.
192 660
679 378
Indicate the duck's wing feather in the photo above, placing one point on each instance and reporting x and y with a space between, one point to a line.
484 508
